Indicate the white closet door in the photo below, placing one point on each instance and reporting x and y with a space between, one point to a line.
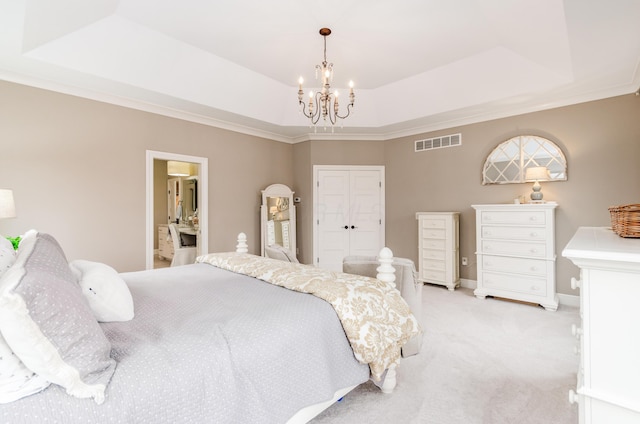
365 213
332 213
349 215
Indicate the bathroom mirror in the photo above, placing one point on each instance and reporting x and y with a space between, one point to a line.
508 162
278 218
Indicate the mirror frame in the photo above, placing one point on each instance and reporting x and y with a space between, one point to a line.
522 152
278 190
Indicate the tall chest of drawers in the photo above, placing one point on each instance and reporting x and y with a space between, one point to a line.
438 248
607 336
515 248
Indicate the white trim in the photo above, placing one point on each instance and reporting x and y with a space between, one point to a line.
293 135
468 284
565 299
203 203
316 169
569 300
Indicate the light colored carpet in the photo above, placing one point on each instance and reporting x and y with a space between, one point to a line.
482 361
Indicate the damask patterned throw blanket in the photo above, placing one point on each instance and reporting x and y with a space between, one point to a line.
375 318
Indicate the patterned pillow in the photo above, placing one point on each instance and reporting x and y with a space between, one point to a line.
47 322
107 293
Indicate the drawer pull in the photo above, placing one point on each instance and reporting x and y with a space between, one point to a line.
576 350
534 288
576 331
573 397
534 268
575 283
534 234
534 218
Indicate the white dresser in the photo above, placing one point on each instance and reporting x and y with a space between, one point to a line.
608 389
438 248
515 248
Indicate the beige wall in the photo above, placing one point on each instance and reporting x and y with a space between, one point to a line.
77 168
601 141
326 152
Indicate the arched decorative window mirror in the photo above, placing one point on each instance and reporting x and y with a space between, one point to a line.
508 162
278 218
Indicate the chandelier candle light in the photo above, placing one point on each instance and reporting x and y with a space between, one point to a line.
324 103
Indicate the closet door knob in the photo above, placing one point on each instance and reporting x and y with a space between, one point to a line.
346 227
353 227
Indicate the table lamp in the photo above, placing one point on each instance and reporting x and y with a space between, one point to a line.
7 205
537 174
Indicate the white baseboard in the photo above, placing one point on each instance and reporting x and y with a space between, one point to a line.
569 300
565 299
468 284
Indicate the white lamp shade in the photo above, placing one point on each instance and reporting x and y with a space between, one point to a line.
536 173
7 205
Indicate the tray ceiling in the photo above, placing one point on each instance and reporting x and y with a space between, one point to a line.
417 65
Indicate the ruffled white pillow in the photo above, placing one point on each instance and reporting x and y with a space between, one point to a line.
7 255
108 295
16 380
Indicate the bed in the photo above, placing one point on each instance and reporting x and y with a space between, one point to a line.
233 338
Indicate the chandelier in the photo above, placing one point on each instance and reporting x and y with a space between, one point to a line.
324 103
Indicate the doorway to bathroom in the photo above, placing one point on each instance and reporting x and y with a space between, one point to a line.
191 188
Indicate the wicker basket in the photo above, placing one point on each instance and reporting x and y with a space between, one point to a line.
625 220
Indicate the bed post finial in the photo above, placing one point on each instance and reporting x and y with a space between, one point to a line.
386 271
242 243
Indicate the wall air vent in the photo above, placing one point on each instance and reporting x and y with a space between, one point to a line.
438 142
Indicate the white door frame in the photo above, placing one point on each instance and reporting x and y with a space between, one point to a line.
203 200
316 170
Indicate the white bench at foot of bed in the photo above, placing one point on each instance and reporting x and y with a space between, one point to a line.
386 273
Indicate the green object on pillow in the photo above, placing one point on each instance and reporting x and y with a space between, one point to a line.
15 241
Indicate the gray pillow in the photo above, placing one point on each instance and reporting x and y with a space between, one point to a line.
276 251
48 324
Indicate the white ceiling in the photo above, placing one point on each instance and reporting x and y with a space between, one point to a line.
418 65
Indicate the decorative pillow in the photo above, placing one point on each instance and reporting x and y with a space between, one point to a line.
276 251
7 255
48 324
108 295
16 380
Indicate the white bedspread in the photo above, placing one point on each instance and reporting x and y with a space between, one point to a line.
375 317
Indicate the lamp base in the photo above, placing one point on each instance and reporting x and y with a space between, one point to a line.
536 194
